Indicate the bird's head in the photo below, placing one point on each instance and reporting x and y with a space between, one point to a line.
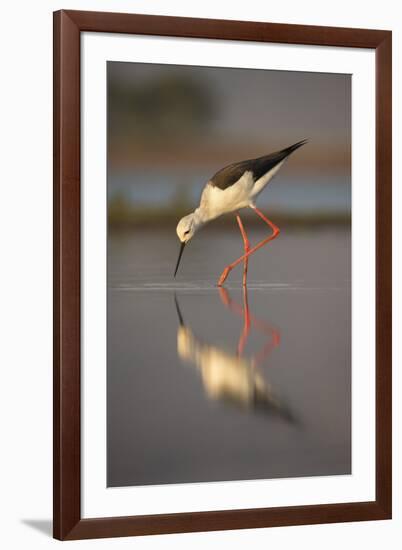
185 230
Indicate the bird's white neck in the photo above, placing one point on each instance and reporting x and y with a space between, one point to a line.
200 217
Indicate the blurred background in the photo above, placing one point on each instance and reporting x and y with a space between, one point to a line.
172 127
187 402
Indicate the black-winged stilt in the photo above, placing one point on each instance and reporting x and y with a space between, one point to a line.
234 377
235 187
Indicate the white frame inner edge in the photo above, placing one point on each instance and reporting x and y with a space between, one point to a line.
97 499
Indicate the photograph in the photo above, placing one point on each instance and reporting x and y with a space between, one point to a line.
228 274
202 252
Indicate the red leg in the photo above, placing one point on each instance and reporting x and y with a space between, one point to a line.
246 326
242 311
273 334
246 248
275 233
268 348
259 325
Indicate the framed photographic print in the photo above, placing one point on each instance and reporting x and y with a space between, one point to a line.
222 270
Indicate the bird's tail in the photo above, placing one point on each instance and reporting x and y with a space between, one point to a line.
293 147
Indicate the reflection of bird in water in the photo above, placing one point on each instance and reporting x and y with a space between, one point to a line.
229 377
234 187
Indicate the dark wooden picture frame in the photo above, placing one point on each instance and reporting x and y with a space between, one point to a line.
68 26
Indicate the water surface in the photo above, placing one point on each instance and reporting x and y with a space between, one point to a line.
209 385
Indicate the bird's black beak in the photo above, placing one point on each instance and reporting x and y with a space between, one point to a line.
183 244
179 315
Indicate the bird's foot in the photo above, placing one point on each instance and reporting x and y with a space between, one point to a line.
224 275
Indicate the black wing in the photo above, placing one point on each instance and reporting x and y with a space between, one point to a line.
229 175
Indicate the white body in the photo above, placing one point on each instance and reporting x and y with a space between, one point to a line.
215 202
224 375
